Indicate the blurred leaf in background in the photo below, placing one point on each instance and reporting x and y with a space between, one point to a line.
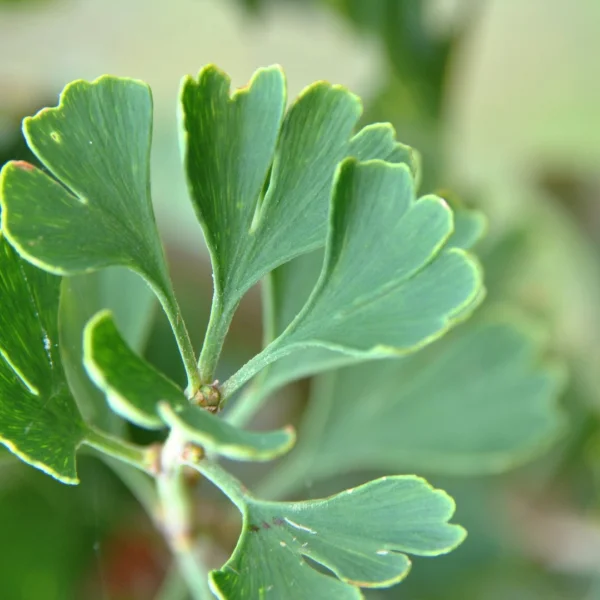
23 3
89 542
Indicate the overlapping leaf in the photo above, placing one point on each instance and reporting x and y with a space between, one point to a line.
98 211
388 285
216 435
82 297
290 286
229 149
39 421
469 228
362 535
260 181
139 393
481 400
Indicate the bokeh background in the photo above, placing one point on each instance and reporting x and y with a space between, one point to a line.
502 98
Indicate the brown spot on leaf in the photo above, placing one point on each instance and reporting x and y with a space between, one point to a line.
23 165
253 528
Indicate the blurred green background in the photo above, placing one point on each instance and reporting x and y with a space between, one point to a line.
503 100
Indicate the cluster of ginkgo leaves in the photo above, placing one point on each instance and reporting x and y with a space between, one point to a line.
356 269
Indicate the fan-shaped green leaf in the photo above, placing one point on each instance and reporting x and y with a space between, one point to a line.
288 289
229 144
388 286
479 401
139 393
261 182
39 421
362 535
98 211
96 142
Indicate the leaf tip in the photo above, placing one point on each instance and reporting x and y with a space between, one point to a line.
206 73
102 316
334 89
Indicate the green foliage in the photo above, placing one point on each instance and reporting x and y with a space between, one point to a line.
81 297
139 393
258 217
356 267
218 436
53 530
494 401
370 296
361 535
97 143
22 3
288 290
133 387
39 420
97 212
387 286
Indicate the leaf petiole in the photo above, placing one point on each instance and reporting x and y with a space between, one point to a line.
221 478
171 307
218 326
143 458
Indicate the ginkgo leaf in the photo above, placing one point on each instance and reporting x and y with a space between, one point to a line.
481 400
39 421
216 435
362 535
96 211
378 141
139 393
229 144
469 228
393 291
133 388
388 286
285 291
261 181
82 296
288 289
